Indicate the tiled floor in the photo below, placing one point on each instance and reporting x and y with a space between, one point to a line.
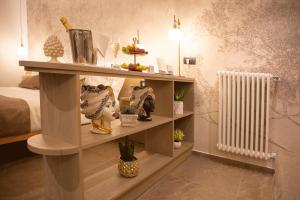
197 178
200 178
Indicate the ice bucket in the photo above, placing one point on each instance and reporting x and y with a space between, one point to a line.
82 46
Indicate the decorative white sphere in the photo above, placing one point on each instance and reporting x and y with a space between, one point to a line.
53 48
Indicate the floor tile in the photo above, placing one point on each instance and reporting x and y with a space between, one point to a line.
256 186
201 178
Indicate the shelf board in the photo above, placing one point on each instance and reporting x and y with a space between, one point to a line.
185 146
91 139
185 114
109 184
46 145
71 68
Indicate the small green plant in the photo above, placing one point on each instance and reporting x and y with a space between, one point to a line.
126 148
179 95
178 135
129 110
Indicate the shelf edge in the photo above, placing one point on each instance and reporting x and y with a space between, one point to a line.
89 145
46 145
185 114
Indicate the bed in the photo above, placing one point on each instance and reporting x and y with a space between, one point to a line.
11 129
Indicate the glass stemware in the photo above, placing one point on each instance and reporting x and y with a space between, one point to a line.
115 46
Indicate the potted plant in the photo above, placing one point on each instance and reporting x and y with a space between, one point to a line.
128 164
178 103
128 116
178 138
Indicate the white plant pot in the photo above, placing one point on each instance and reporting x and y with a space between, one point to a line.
128 120
177 145
178 107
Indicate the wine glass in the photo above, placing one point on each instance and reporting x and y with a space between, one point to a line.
115 46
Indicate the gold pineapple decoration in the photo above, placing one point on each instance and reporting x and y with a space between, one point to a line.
53 48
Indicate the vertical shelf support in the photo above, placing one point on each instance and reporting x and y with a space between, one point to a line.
60 119
160 139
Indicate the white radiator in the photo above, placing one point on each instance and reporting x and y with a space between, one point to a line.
244 100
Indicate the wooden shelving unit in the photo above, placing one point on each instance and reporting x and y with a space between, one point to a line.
63 138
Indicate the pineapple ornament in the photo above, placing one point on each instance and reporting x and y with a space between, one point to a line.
53 48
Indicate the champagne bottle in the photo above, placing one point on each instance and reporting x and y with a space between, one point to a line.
65 22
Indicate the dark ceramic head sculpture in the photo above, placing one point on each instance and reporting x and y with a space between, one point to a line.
143 99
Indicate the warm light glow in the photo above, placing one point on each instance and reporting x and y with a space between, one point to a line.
175 34
22 52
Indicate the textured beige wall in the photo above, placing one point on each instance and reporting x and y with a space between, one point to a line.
115 19
10 72
261 36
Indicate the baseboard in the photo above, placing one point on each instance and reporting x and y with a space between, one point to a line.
234 162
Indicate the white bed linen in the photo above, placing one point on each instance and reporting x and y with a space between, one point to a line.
32 97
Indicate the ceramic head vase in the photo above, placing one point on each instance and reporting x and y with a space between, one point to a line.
143 99
98 104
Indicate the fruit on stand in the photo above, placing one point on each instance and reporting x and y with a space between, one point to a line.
133 49
134 67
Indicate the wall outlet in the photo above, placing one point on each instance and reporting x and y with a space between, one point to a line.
189 60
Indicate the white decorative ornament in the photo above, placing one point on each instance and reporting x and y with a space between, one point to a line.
53 48
178 107
177 145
